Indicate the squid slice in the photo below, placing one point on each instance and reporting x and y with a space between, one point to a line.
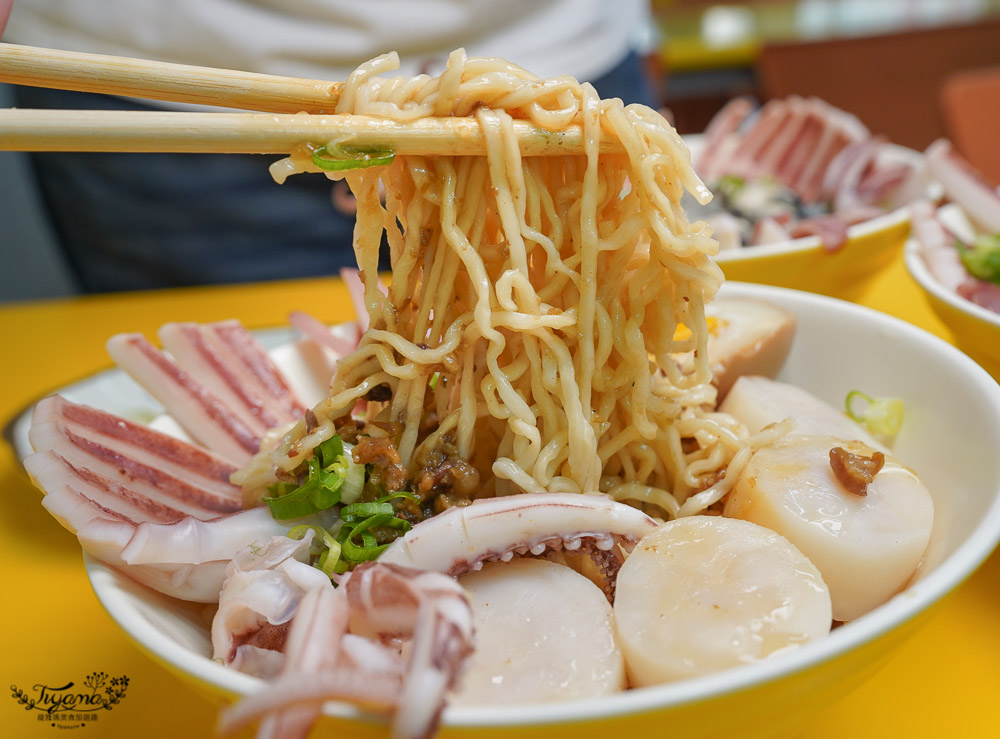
461 539
128 468
543 633
229 362
261 595
868 545
937 243
156 508
723 125
377 602
963 184
184 559
200 413
706 593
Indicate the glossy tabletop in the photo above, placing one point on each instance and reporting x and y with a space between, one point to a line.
944 682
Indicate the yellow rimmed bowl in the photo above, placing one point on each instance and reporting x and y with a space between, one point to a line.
805 264
976 330
838 347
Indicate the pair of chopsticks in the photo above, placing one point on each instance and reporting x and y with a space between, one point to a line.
290 112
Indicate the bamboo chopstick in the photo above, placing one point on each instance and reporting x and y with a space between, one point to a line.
262 133
297 112
181 83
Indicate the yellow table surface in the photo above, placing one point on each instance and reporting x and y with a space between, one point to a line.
944 682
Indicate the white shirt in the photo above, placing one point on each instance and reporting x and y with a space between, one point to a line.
326 39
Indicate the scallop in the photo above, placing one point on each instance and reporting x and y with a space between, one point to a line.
759 401
706 593
543 633
867 546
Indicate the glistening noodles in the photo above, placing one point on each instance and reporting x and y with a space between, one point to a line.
545 294
540 380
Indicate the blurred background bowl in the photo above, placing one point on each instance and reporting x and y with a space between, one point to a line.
804 264
838 347
976 330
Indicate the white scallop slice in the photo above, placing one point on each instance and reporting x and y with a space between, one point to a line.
759 401
867 547
543 633
706 593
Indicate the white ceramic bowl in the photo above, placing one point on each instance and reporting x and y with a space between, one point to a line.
839 347
976 329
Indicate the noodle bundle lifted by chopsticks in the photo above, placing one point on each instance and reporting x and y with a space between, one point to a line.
536 304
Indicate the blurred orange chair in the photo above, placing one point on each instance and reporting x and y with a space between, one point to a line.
891 81
970 101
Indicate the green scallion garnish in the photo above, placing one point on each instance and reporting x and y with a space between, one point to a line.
324 547
335 158
326 472
882 416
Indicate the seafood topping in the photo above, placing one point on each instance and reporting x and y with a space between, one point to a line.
867 547
381 453
543 633
704 593
855 471
462 539
797 167
347 643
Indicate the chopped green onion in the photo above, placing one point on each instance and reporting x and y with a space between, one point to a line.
344 157
354 482
358 511
359 518
329 451
434 380
325 546
326 473
982 259
883 416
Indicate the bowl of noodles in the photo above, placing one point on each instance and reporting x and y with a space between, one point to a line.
838 347
545 334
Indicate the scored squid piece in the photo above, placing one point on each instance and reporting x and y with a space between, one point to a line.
543 633
866 527
217 383
128 468
461 539
158 509
963 184
201 414
723 126
184 559
260 596
228 361
345 644
706 593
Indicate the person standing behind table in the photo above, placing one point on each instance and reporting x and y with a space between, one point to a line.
141 221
